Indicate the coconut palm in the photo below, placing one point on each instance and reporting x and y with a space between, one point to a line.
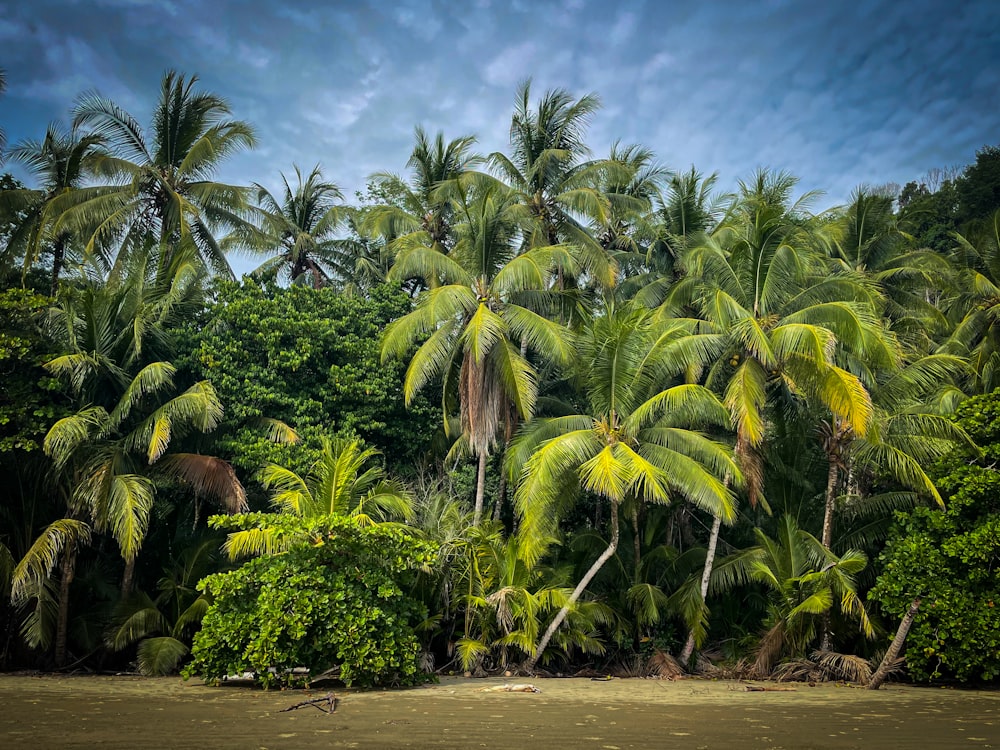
508 602
633 444
60 163
302 227
344 481
776 322
910 429
975 309
165 195
485 309
804 580
868 240
108 456
417 213
631 187
556 185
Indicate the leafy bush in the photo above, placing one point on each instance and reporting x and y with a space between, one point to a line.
310 358
334 601
950 559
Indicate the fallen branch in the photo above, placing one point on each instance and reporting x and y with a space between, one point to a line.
330 701
767 689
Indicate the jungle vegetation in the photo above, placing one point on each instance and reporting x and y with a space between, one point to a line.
533 409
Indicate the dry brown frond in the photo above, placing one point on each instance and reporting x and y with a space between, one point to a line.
209 476
847 667
769 650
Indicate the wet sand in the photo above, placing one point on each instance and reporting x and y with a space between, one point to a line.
127 712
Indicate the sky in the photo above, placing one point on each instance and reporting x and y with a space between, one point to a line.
838 93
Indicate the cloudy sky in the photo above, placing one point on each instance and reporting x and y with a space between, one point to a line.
839 93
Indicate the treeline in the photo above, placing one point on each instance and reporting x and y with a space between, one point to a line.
556 409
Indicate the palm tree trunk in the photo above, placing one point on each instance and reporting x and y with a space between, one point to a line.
580 588
831 496
68 569
128 578
501 496
636 544
706 575
58 250
895 647
480 488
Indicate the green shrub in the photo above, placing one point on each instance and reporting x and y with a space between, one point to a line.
334 601
950 558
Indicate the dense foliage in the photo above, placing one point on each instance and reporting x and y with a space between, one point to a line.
335 601
625 413
310 358
949 559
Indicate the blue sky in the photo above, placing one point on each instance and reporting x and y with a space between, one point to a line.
837 93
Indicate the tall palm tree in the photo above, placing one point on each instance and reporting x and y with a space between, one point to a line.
165 195
686 208
759 285
344 481
909 430
302 227
556 185
631 188
975 309
485 301
633 443
869 240
60 163
418 214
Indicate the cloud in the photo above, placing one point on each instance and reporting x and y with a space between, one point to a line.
836 94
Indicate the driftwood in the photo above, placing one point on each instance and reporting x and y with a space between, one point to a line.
519 688
327 704
767 689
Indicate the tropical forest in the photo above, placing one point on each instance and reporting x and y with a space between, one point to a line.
543 411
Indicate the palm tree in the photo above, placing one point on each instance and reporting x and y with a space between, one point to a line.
687 208
60 163
804 582
104 454
486 307
417 214
165 196
344 482
302 227
975 309
630 187
910 429
553 180
775 323
507 602
758 283
869 240
634 442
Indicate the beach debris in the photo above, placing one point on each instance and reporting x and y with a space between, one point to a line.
768 689
327 704
518 688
